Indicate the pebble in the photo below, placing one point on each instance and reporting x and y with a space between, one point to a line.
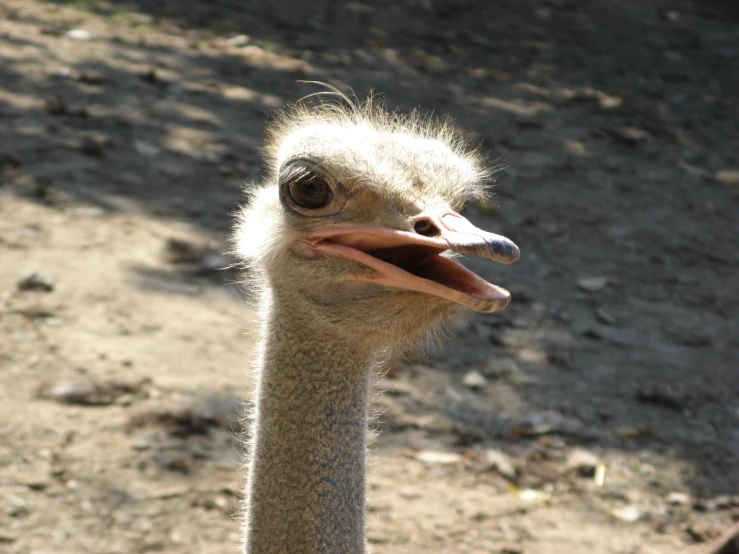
55 105
36 281
660 394
409 493
630 514
146 148
592 284
722 502
677 498
358 7
474 380
87 211
533 495
432 457
79 34
500 462
92 147
628 135
672 16
239 40
90 77
582 461
499 367
167 491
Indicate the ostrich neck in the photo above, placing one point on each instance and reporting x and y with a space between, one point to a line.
306 484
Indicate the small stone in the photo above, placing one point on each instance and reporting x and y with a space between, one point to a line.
36 281
500 462
533 495
54 105
238 41
576 148
630 514
702 531
499 367
150 76
583 462
179 463
141 443
92 147
628 135
713 504
661 394
592 284
432 457
124 400
358 7
79 34
672 16
87 211
609 102
146 148
409 493
167 491
678 499
90 77
474 380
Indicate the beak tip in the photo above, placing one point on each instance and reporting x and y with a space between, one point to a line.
499 302
515 254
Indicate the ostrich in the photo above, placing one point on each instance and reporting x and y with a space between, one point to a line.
350 242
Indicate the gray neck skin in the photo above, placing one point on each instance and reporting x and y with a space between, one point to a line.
306 485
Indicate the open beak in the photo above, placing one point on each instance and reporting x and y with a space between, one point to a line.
414 261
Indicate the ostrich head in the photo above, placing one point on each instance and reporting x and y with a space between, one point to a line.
358 222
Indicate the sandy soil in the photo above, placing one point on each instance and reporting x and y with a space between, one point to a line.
607 416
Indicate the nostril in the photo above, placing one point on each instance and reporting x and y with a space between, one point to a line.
426 228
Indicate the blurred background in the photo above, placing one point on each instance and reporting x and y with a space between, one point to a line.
599 413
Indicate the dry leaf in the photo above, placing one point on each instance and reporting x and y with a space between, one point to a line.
728 176
634 432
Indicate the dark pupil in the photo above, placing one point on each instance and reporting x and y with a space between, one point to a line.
311 192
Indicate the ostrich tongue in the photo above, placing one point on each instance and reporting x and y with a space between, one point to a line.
413 261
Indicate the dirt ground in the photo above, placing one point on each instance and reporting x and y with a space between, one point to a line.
599 413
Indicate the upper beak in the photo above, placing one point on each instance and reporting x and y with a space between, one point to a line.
412 260
462 236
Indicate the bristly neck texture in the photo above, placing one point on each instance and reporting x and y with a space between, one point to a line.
306 482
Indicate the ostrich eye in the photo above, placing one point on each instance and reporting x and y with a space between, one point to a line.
310 191
308 188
